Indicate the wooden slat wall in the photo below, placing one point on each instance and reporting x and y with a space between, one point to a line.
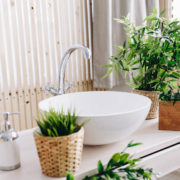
34 35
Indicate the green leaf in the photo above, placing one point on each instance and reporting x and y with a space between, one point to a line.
148 17
114 175
69 176
100 167
116 157
124 44
137 160
143 31
55 131
154 10
134 39
131 84
124 157
107 66
175 74
108 73
93 178
131 144
162 12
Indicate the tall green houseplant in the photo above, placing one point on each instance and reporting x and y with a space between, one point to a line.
151 54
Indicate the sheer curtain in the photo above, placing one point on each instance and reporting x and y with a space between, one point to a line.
107 33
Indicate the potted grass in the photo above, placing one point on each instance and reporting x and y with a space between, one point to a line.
59 143
169 110
150 56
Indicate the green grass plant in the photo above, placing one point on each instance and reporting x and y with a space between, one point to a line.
56 124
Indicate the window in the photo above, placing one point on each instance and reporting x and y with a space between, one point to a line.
176 9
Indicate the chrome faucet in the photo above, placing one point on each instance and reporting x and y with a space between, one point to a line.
61 78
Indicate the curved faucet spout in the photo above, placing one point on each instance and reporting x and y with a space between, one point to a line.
61 79
87 55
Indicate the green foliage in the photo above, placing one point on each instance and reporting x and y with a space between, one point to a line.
151 54
131 144
69 176
55 124
170 96
120 166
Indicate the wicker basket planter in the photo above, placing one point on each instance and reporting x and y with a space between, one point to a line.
154 96
169 116
59 155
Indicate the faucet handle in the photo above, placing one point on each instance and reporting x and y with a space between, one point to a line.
69 85
51 90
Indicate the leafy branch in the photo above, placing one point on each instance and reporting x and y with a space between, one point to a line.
120 166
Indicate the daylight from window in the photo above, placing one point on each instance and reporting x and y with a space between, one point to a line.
175 9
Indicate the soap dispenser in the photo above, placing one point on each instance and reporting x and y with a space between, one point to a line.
9 151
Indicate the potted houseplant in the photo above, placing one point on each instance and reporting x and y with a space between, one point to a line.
150 56
59 143
169 110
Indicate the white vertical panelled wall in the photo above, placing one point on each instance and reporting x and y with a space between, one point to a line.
33 37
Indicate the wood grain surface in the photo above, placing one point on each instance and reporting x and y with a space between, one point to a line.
169 116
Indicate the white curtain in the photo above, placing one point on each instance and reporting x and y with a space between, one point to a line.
107 33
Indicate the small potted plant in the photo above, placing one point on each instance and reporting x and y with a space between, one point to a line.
150 56
59 142
169 110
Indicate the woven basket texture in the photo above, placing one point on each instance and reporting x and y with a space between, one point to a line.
154 96
59 155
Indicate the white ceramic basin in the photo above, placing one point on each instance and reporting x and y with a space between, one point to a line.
111 115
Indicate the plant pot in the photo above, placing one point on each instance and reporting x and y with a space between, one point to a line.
59 155
169 116
154 96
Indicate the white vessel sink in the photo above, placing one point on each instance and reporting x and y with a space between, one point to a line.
111 115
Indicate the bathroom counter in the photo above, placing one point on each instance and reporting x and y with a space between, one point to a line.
159 147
